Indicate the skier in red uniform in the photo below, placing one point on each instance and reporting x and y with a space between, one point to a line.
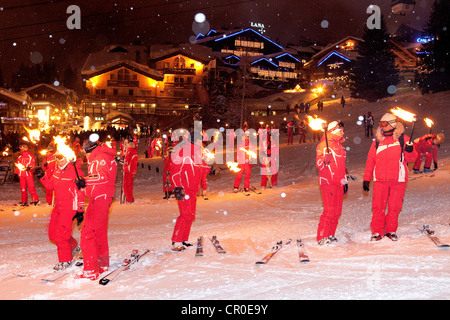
186 170
69 204
330 160
76 146
100 188
24 169
387 165
166 176
302 131
269 161
290 132
427 146
244 164
130 170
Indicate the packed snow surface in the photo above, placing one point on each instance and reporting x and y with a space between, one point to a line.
248 226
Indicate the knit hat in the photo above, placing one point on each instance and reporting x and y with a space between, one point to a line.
335 126
90 144
390 119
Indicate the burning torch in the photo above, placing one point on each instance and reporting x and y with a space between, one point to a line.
408 117
319 124
429 123
34 137
65 150
233 166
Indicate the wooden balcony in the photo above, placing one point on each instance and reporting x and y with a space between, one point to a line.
123 83
179 71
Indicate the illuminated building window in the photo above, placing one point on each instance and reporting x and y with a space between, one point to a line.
179 63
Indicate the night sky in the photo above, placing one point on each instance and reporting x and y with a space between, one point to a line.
35 29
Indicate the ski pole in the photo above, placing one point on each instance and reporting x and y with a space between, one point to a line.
412 131
324 126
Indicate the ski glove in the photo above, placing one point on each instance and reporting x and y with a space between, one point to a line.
179 193
366 186
79 216
81 183
409 147
39 172
327 158
345 188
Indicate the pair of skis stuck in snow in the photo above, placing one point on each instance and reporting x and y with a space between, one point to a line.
303 257
215 243
426 230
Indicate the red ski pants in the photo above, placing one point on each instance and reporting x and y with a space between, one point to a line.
302 138
49 196
27 182
60 231
128 180
183 225
332 197
290 137
245 168
386 194
428 159
273 179
94 235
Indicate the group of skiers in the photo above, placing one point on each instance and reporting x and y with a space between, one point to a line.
386 165
66 188
185 171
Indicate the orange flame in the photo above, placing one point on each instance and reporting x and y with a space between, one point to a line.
64 149
20 166
429 122
34 134
404 115
208 154
250 154
316 123
233 166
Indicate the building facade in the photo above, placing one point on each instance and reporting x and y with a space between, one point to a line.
166 84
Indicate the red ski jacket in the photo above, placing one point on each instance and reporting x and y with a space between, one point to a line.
62 182
246 152
26 159
334 172
102 168
49 164
131 161
424 145
388 162
187 166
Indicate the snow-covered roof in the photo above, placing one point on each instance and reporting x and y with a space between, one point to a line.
135 56
130 64
196 52
20 97
60 89
334 46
